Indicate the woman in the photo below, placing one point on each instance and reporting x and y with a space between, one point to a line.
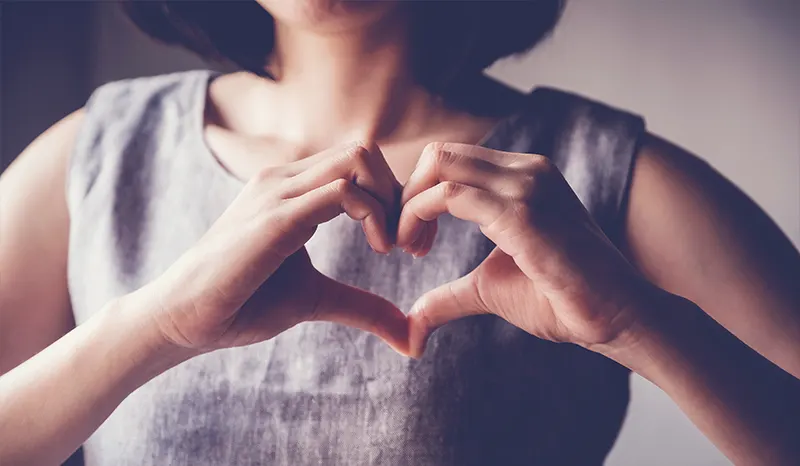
195 204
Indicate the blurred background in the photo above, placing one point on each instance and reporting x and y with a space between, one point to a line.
718 77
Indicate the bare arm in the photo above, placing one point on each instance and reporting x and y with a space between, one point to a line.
34 229
51 403
207 300
694 234
747 406
555 275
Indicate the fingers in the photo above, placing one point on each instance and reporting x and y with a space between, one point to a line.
439 306
363 310
364 166
324 203
501 172
303 164
503 175
462 201
424 242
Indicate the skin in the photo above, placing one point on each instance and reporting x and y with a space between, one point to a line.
700 300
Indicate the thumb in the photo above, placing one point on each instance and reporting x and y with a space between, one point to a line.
441 305
354 307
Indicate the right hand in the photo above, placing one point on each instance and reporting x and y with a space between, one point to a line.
249 277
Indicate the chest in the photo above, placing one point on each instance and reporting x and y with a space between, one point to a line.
327 394
485 392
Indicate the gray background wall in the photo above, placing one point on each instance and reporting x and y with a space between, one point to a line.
719 77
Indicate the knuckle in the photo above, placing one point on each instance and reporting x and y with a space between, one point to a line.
540 165
451 189
434 147
369 146
436 154
443 157
341 186
357 160
359 155
422 309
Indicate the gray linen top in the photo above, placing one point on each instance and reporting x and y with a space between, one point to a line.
143 187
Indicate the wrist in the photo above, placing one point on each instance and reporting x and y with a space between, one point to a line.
139 340
647 328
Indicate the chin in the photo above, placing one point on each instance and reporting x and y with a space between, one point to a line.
327 15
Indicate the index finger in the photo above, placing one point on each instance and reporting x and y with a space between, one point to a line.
457 160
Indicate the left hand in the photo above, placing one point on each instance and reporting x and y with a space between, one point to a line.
553 273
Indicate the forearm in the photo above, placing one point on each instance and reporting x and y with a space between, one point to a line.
51 404
746 405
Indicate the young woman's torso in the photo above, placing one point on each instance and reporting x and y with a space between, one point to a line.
144 185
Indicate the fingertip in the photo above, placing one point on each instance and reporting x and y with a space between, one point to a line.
378 237
416 246
397 333
407 229
414 355
372 313
380 249
408 234
418 333
431 229
403 348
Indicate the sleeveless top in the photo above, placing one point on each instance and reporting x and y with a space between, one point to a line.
143 187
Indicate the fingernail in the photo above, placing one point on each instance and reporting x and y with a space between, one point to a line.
413 242
419 239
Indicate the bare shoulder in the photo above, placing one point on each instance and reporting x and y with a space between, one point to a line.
34 226
679 200
36 176
53 146
695 234
675 194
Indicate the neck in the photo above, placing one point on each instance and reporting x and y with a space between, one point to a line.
354 85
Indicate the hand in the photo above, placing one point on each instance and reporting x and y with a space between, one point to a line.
250 277
553 273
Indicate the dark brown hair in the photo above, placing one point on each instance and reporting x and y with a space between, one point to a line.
449 38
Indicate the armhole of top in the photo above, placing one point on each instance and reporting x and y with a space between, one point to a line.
115 115
620 222
595 146
83 165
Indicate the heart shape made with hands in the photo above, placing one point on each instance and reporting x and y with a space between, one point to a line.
553 273
469 182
